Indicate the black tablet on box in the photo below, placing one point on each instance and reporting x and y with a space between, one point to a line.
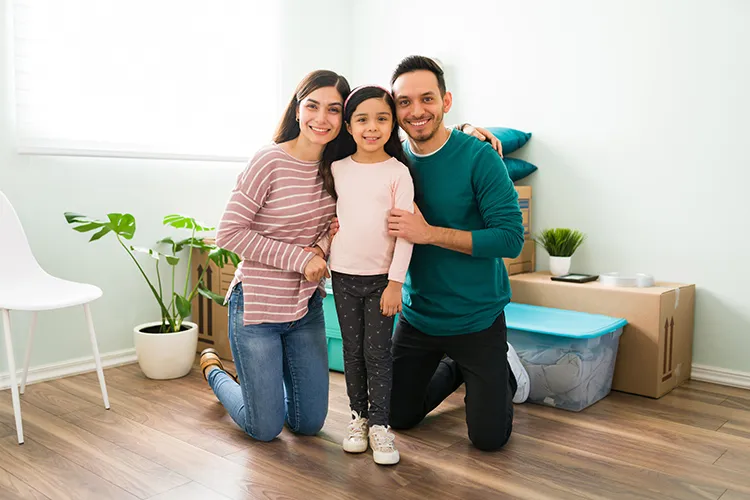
576 278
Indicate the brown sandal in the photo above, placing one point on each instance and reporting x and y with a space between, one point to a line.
209 357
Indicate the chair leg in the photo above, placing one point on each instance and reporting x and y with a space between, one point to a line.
28 352
97 359
12 373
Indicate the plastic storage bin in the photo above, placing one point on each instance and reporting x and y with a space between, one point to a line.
570 356
333 332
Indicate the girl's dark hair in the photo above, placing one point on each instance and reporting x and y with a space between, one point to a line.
288 127
347 146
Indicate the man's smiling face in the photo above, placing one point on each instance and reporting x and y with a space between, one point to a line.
419 106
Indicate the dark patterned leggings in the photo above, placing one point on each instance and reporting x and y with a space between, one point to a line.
366 336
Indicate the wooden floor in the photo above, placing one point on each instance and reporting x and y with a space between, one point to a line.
172 440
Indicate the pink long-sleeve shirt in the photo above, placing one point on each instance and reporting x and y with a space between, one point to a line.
366 194
277 208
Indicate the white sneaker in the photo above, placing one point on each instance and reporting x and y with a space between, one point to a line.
522 377
384 451
356 440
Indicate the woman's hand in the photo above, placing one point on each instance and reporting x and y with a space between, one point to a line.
390 301
316 269
484 135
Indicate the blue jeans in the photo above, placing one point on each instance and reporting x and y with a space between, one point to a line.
283 373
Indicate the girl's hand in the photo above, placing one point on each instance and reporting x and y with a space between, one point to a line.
316 269
316 250
333 228
390 301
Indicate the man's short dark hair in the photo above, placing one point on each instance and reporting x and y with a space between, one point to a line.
416 63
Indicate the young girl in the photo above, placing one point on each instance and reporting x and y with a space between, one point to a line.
367 265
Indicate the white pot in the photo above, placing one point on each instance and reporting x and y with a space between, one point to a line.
164 356
559 266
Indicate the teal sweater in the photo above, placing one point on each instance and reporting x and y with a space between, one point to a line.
464 185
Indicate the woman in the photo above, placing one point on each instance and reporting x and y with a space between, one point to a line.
275 220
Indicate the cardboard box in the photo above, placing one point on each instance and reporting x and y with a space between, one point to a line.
211 318
526 262
656 348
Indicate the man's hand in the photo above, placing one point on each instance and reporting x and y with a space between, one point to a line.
390 301
410 226
483 134
316 269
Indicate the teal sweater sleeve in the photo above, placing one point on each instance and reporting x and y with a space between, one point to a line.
498 203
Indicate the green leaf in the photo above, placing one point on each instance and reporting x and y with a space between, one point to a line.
183 306
148 251
183 222
560 242
122 224
73 218
168 241
86 224
219 299
172 261
221 257
85 228
235 259
193 243
101 233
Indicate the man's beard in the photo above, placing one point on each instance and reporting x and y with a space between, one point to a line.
427 135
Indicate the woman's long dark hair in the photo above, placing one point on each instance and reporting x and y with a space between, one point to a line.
347 146
288 127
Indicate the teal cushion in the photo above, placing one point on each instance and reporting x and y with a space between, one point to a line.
518 169
512 139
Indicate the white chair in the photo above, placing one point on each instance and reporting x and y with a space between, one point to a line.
25 286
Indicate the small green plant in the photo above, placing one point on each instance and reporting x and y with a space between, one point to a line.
560 242
175 307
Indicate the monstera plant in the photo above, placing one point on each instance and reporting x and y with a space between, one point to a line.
175 303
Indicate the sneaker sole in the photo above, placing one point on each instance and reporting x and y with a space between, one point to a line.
352 448
386 458
522 376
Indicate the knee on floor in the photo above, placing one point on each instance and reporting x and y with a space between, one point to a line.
265 433
309 426
489 442
403 421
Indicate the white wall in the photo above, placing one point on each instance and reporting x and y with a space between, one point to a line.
639 111
42 188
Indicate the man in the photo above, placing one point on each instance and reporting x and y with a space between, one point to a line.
452 328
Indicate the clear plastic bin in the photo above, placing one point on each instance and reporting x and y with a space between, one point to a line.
570 356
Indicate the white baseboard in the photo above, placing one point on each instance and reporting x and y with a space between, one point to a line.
71 367
720 376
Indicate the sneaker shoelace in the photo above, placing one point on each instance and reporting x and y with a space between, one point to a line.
384 439
356 427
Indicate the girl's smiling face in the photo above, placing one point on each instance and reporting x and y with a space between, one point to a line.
371 125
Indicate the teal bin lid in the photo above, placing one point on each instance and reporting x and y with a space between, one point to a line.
559 322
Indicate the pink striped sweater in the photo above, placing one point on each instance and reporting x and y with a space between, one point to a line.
278 207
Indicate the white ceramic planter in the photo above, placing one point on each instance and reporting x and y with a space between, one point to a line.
559 266
163 356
